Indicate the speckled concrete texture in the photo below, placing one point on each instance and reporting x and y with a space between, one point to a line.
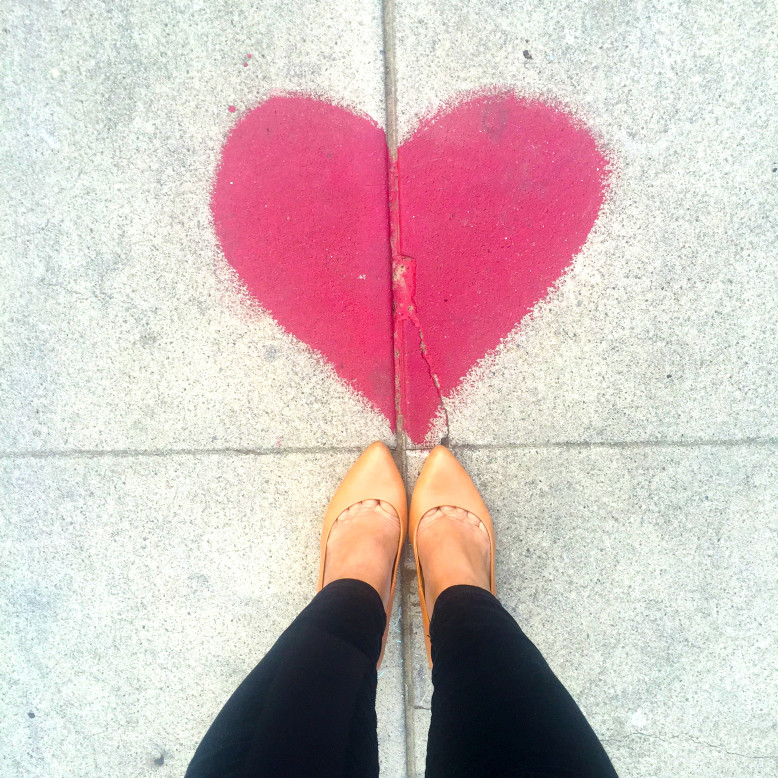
646 577
666 327
140 591
167 450
123 327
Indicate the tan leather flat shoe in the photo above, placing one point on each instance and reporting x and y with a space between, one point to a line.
374 476
443 481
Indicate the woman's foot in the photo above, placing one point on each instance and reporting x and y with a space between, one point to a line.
454 548
363 545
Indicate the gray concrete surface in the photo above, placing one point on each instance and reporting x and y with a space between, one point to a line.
147 566
646 575
667 325
139 591
123 326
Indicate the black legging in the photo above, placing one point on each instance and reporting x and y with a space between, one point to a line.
308 708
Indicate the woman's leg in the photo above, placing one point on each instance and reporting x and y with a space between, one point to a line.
497 708
308 708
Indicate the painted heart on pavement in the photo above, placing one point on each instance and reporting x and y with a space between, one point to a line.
491 200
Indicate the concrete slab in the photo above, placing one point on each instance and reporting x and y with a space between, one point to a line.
665 327
139 591
143 588
646 576
123 326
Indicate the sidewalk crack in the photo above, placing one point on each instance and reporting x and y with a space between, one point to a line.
404 296
690 738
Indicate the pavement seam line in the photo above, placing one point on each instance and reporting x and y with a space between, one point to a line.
169 452
400 452
615 444
401 455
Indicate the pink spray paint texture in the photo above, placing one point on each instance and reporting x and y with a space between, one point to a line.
490 201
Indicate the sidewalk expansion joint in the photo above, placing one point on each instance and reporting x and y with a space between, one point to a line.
400 452
390 101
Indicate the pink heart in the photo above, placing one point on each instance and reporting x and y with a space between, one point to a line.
491 201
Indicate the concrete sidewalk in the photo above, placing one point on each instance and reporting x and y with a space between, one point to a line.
167 450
